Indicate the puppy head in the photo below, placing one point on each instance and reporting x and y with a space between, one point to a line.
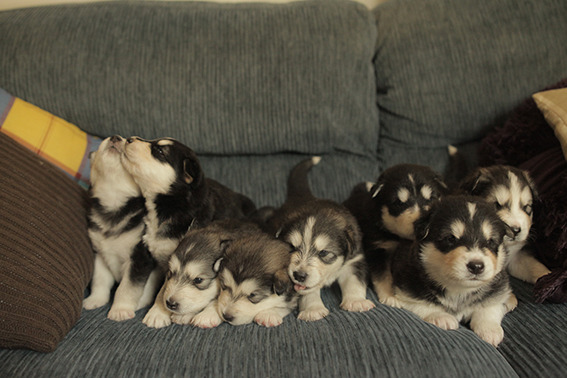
161 165
252 278
107 169
321 244
512 193
461 242
402 193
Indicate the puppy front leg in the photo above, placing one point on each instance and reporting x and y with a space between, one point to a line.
101 285
354 294
433 314
272 317
209 317
311 306
158 316
384 286
486 323
526 267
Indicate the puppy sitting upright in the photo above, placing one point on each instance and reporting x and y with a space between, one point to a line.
326 244
116 225
254 281
387 211
178 196
454 270
512 193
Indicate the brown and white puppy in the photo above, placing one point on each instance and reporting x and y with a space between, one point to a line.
454 270
387 211
191 287
254 283
116 226
326 244
512 193
178 197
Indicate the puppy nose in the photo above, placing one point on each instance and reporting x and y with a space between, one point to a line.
172 305
516 230
299 276
115 138
475 267
228 317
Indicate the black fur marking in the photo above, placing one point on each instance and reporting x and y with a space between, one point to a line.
142 264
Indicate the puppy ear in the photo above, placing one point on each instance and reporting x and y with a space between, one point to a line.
531 185
92 155
476 183
376 188
192 171
282 282
217 266
354 241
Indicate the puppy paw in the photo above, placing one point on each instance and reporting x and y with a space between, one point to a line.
444 321
312 314
268 319
181 319
358 305
206 320
491 333
156 318
391 301
92 302
511 303
120 314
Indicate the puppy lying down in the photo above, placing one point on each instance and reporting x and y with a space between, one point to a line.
454 270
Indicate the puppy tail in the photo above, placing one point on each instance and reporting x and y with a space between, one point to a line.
457 168
297 183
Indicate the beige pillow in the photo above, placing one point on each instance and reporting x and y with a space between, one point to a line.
553 105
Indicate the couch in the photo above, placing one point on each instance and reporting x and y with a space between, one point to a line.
255 88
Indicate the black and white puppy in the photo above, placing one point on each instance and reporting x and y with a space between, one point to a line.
512 193
116 226
254 283
191 287
454 270
387 211
327 247
178 196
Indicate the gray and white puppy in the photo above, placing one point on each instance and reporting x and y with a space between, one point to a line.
254 283
512 193
327 247
116 226
454 270
191 287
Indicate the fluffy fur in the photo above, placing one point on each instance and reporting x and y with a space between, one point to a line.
512 193
326 244
254 283
454 270
115 227
178 197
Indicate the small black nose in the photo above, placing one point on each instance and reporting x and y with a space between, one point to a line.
516 230
228 317
475 267
115 138
172 305
300 276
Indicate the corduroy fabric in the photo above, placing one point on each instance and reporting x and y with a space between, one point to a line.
45 256
447 71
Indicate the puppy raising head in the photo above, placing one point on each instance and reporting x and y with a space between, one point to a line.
191 282
461 243
253 280
106 161
321 245
402 193
160 165
512 193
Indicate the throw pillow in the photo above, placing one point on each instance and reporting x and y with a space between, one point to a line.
46 260
553 105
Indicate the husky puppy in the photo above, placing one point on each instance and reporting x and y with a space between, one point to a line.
326 244
512 193
116 226
387 211
191 287
254 281
178 197
454 270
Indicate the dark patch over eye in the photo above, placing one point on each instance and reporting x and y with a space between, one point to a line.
493 244
326 256
158 152
448 243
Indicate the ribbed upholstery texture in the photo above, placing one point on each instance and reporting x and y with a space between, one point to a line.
447 71
45 256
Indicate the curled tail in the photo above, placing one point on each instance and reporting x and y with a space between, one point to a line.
457 168
297 183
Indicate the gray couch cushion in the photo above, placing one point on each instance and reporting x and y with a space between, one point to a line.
449 70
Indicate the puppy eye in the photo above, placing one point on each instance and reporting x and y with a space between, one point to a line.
493 245
450 240
254 298
323 254
158 149
498 206
198 281
528 209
